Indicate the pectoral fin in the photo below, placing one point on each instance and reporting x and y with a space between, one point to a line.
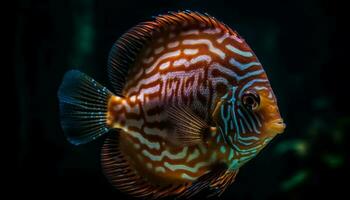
190 129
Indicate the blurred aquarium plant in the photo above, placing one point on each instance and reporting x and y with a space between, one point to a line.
84 32
319 151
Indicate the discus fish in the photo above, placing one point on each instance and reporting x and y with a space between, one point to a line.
190 105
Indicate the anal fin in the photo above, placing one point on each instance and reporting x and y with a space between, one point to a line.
216 181
190 129
220 184
124 177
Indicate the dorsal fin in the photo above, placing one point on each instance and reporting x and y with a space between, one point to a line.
129 45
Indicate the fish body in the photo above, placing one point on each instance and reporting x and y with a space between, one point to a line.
191 104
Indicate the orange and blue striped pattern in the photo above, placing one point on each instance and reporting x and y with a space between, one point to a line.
189 65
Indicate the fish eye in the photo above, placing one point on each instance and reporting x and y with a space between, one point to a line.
251 100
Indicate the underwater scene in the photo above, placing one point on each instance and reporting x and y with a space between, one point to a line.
177 100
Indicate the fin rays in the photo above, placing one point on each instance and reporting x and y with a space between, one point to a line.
125 50
123 176
83 107
189 128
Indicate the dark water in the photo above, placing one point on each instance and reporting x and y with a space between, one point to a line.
295 40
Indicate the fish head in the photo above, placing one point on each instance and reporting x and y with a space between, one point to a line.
248 117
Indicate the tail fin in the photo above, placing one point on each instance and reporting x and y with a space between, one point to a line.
83 107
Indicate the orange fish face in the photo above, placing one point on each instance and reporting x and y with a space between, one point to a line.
270 115
248 118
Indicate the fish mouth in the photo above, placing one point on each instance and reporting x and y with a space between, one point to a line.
276 126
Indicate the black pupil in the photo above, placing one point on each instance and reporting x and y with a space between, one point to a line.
250 101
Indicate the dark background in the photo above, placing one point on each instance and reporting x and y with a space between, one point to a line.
296 42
